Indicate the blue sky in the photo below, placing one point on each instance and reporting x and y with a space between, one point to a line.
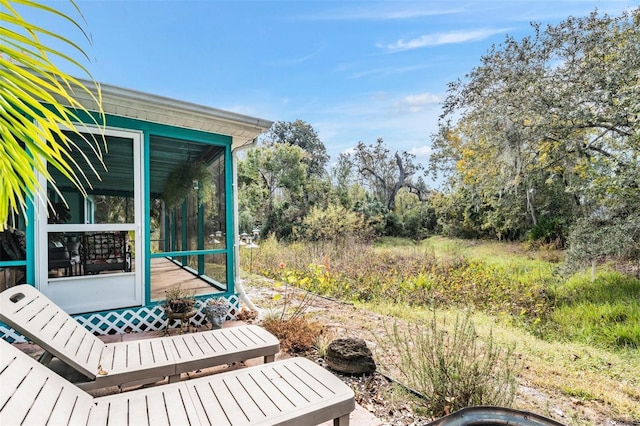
355 71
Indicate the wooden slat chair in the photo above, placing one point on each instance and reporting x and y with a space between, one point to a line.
125 363
295 391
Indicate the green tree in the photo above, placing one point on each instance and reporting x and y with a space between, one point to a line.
547 127
303 135
37 100
272 178
333 223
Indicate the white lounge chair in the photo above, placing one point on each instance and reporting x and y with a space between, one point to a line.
134 362
295 391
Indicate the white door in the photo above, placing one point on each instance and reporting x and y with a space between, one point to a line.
90 253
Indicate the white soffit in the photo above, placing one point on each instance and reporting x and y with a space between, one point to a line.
158 109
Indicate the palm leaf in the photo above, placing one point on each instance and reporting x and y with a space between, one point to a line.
37 104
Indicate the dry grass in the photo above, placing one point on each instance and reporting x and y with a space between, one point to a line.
296 334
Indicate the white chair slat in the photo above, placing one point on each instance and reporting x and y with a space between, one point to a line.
189 346
31 313
269 394
36 395
253 335
121 357
252 400
201 350
287 388
272 393
162 405
211 343
230 411
208 406
132 361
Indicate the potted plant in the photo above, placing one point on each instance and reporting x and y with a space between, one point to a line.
188 178
178 301
179 305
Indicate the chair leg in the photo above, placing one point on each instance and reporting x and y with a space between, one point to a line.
269 358
45 358
341 421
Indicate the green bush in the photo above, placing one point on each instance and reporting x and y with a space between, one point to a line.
452 367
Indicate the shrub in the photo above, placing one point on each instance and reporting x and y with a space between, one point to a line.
454 368
296 334
290 325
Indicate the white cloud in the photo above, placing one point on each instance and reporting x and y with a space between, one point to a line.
421 151
383 12
300 60
417 103
438 39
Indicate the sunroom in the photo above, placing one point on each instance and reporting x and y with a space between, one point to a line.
161 214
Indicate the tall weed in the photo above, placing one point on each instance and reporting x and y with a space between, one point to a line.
451 366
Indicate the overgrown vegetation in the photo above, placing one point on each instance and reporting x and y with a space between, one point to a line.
516 285
561 352
451 366
603 312
297 334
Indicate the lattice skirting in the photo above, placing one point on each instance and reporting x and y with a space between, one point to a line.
132 320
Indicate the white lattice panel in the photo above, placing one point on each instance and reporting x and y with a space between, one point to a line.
132 320
10 335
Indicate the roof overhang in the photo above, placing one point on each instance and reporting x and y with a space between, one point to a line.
129 103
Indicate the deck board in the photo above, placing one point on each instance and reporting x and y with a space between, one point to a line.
166 274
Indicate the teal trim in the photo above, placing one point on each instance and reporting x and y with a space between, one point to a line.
30 241
184 236
228 201
146 229
157 129
174 218
187 253
10 263
200 236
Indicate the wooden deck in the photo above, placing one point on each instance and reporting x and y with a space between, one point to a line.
166 274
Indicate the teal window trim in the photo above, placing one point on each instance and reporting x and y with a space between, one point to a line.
187 253
200 236
11 263
146 231
229 204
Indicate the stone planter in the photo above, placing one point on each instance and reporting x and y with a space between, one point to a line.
215 315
